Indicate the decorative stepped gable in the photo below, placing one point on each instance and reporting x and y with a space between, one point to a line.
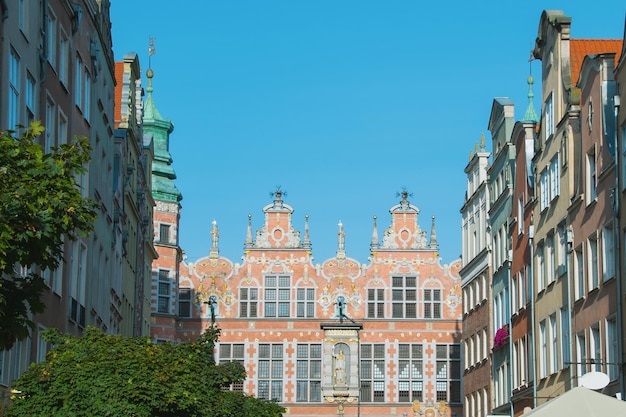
405 233
277 231
163 175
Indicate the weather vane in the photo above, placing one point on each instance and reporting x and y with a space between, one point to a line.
278 193
404 193
151 51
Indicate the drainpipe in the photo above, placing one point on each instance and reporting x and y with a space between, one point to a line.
570 240
531 235
616 237
510 300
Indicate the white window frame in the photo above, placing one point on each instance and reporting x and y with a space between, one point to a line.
591 177
543 350
554 344
549 116
612 368
608 251
593 279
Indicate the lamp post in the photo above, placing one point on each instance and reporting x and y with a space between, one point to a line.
212 303
341 302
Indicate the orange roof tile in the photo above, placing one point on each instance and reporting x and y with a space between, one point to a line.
579 48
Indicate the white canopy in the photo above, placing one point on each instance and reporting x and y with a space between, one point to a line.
580 402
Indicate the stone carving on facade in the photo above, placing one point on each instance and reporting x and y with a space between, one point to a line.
389 239
293 239
262 239
165 207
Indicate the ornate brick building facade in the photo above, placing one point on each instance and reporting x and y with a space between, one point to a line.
336 338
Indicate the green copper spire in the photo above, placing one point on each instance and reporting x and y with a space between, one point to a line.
531 114
163 175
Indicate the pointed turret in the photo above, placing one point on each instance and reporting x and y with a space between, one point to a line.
307 239
433 236
531 114
163 175
374 244
249 243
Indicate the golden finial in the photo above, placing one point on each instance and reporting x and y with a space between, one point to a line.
482 142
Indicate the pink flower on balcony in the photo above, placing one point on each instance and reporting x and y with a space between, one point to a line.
502 337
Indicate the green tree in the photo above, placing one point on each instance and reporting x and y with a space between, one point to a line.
40 204
104 375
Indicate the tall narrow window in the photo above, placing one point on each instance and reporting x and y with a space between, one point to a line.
595 348
64 58
78 281
554 343
592 179
549 116
612 349
30 97
410 375
544 189
555 178
543 349
51 38
561 253
232 353
581 353
277 295
164 291
62 131
550 257
375 303
164 233
448 373
579 272
309 373
271 371
87 98
22 16
520 215
184 302
78 82
305 302
51 121
248 302
541 267
372 372
608 252
432 303
565 338
404 297
592 253
14 90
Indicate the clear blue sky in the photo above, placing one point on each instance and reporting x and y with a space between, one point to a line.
342 103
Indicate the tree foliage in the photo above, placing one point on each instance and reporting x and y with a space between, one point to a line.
40 204
104 375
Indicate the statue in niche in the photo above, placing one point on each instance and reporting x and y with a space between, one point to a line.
341 377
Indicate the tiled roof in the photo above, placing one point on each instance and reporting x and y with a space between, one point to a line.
579 48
